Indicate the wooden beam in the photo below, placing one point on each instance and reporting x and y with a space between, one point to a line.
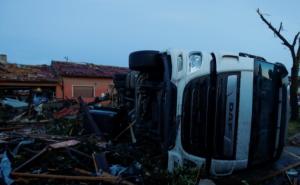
31 159
105 178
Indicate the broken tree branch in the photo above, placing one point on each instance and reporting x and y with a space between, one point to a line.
276 32
298 51
280 27
295 39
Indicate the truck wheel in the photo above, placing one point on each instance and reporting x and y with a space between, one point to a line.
145 61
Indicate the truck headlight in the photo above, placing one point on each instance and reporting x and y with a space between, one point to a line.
195 61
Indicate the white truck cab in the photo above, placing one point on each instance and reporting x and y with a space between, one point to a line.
220 111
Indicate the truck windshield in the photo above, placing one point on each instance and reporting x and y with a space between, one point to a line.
266 88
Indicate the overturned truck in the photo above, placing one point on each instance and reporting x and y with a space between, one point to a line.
222 112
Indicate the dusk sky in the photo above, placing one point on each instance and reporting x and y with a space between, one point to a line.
106 31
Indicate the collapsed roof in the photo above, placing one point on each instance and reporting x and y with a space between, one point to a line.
72 69
27 73
50 74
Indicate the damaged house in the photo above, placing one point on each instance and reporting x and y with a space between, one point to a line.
62 80
19 80
84 79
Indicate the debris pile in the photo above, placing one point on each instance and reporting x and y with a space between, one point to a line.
17 111
61 142
37 159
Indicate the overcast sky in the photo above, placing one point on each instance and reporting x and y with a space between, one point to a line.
106 31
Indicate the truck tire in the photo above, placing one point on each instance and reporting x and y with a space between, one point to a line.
145 61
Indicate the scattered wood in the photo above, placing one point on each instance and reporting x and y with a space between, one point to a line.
65 144
288 178
84 172
95 163
80 153
11 128
123 131
103 178
31 159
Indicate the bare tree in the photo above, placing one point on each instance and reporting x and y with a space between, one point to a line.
294 49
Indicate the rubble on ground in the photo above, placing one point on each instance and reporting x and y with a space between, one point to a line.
50 143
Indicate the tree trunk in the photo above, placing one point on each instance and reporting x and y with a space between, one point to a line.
294 89
295 68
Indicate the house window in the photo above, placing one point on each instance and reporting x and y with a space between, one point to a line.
83 91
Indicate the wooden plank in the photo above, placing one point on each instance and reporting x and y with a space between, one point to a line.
31 159
64 144
105 178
